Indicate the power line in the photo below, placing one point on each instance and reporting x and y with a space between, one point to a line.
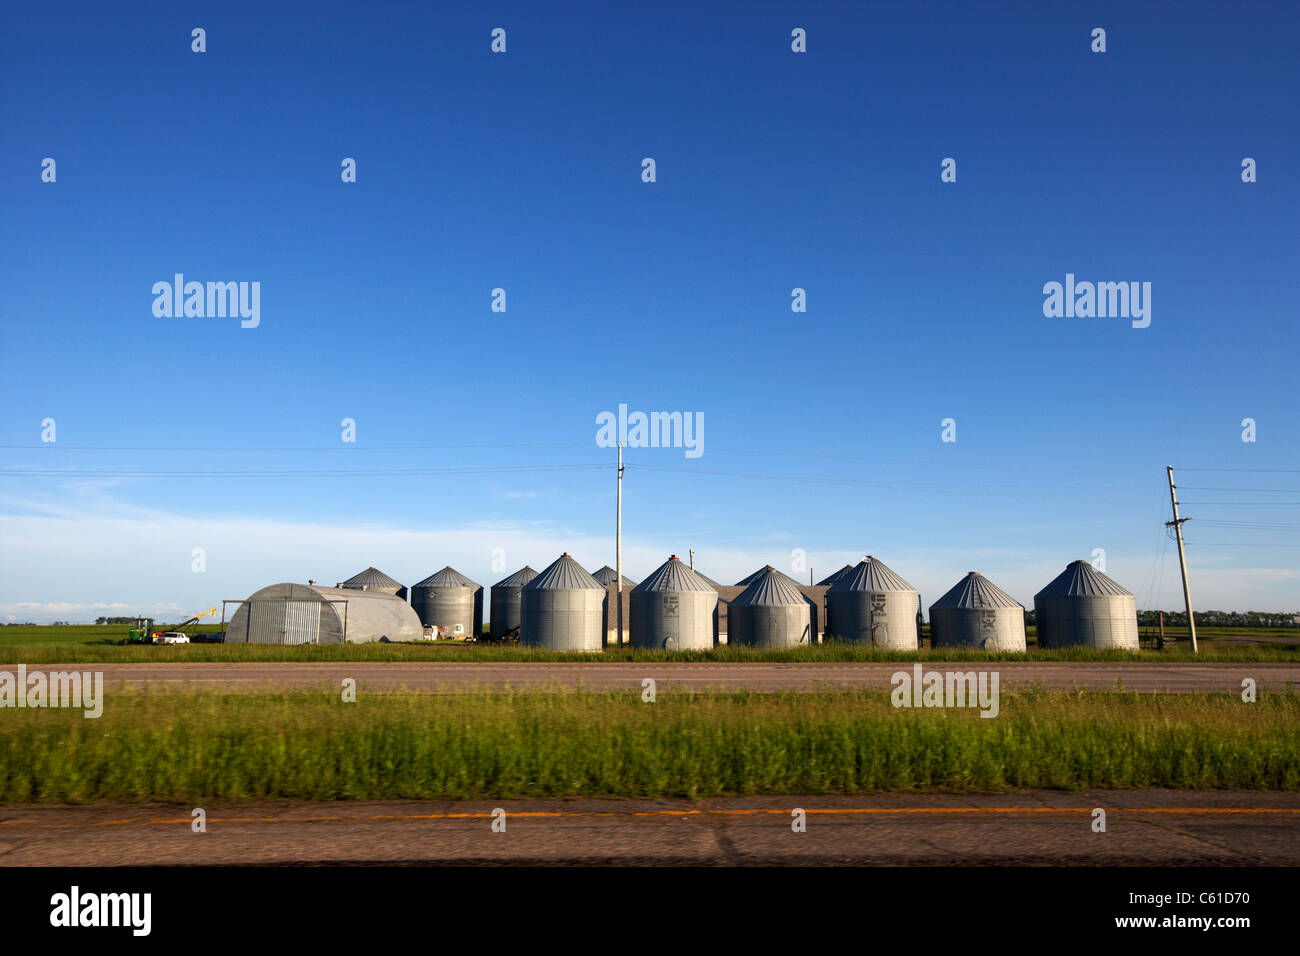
341 446
298 473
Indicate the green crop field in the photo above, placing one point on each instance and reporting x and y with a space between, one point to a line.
194 746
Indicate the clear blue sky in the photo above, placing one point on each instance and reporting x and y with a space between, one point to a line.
775 170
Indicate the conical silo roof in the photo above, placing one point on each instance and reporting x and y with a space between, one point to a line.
672 575
975 591
564 574
607 576
1081 578
751 578
706 579
769 588
518 579
448 577
828 581
871 575
371 579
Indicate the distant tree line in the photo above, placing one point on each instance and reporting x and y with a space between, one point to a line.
1209 618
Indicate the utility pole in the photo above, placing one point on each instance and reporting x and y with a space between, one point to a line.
692 559
618 546
1177 524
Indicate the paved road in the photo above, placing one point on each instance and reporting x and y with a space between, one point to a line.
1027 828
450 676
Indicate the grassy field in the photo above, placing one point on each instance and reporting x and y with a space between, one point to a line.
203 745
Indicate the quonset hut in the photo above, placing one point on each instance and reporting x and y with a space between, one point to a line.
449 600
770 612
977 613
307 614
560 609
1084 608
873 605
674 608
372 579
505 602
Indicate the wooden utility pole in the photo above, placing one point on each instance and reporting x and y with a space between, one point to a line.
1177 524
618 546
692 559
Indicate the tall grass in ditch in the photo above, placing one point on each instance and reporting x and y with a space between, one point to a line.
303 745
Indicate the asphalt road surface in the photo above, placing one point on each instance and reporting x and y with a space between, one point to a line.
452 676
1153 827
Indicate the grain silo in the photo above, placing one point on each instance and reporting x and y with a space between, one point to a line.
372 579
770 612
977 613
560 609
1084 608
831 579
607 576
749 579
305 614
505 602
450 601
673 608
873 605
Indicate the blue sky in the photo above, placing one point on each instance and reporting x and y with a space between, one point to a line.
522 170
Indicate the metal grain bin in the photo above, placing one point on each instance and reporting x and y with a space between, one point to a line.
607 577
749 579
1084 608
505 602
372 579
770 612
451 601
977 613
560 609
873 605
673 608
829 581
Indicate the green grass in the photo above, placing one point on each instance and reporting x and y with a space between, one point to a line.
452 651
195 746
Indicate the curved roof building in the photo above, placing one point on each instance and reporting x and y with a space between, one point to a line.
306 614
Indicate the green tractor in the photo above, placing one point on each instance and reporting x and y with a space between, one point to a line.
142 633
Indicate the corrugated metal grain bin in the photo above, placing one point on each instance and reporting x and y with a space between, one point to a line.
770 612
749 579
305 614
606 577
560 609
451 601
673 608
977 613
505 602
873 605
829 581
1084 608
372 579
